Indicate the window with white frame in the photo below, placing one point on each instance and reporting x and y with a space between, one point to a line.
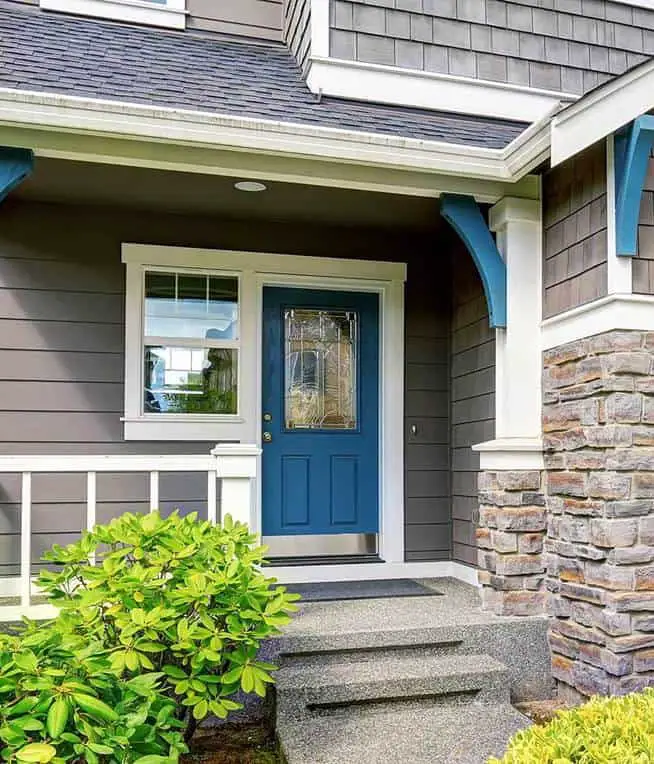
190 343
160 13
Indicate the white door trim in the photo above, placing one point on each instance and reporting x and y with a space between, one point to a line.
391 414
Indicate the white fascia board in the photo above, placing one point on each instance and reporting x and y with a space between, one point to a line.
620 311
602 112
409 87
61 118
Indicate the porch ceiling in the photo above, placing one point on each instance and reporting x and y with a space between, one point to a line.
63 181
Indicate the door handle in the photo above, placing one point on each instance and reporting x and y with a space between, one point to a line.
267 437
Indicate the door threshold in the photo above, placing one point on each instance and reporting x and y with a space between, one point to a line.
345 559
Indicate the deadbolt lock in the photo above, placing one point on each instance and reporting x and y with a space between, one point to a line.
267 437
267 417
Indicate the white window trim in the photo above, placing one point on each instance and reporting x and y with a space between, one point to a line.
171 14
258 270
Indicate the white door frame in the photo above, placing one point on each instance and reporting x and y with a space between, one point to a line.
391 390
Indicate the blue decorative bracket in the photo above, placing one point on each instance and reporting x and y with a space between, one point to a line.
464 215
15 166
633 148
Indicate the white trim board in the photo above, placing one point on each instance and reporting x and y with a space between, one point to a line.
171 14
373 571
619 311
96 130
510 454
411 87
602 112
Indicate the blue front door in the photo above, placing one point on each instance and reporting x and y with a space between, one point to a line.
320 412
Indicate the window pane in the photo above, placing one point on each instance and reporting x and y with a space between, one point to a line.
190 306
190 381
320 363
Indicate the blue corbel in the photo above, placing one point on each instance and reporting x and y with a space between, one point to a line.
633 148
464 215
15 166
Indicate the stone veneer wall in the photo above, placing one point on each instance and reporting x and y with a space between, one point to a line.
598 428
512 522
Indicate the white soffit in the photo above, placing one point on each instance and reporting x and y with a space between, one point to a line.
602 111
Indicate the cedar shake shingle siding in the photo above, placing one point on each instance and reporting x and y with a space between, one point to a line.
561 45
643 263
574 230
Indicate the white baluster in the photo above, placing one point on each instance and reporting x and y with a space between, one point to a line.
154 491
91 502
212 496
26 540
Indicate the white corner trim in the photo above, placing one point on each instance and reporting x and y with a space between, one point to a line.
619 269
171 14
409 87
511 454
602 112
320 27
619 311
296 574
511 210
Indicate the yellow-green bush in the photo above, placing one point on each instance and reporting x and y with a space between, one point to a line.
603 731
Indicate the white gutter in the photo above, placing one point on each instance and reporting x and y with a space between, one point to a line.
66 115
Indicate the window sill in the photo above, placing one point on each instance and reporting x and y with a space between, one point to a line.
134 11
185 428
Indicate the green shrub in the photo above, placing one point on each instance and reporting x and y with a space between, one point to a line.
616 730
60 701
175 596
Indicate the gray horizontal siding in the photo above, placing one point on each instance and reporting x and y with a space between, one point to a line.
248 18
643 264
575 237
427 502
563 45
472 400
62 357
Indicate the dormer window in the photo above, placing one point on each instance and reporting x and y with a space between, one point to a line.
158 13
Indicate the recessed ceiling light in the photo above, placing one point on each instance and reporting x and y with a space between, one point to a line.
252 186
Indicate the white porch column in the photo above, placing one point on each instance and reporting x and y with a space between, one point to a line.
517 223
236 468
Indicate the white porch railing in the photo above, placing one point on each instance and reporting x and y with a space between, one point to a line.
234 465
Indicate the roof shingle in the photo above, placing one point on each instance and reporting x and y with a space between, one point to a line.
108 60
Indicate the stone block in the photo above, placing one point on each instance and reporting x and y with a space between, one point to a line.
519 564
608 485
624 407
484 540
645 385
504 542
625 685
554 461
586 460
612 342
487 481
487 560
635 362
533 498
567 484
587 552
644 622
630 642
581 592
519 481
632 555
643 485
613 533
633 458
576 631
648 410
563 668
611 623
522 603
608 436
646 530
562 645
488 517
570 570
609 576
556 377
530 543
629 508
590 680
644 579
523 519
588 369
628 602
616 665
500 498
564 353
558 606
588 507
643 435
564 416
574 529
644 660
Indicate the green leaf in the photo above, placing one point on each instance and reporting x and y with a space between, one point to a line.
174 672
200 710
247 679
152 759
98 748
57 717
38 753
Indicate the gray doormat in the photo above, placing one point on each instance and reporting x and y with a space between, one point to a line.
361 590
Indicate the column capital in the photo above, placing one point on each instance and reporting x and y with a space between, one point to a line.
511 209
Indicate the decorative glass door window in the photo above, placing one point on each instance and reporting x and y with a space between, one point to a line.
191 344
320 351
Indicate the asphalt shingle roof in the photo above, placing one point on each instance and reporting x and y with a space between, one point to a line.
103 59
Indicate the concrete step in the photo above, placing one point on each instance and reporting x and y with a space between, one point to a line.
405 734
304 690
